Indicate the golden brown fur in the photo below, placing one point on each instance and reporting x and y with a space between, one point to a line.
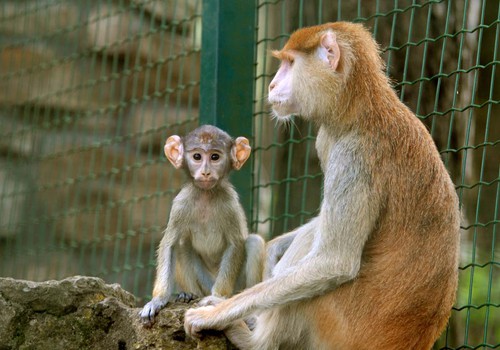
377 269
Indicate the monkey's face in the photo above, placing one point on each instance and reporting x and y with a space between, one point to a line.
309 76
281 93
299 85
206 167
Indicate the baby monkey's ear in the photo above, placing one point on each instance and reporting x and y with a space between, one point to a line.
174 150
240 152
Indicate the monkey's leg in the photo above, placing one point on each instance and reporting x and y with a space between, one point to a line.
278 252
239 335
275 250
255 248
262 337
192 275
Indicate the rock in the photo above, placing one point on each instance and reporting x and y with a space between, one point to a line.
85 313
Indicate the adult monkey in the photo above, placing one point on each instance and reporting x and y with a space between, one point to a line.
377 269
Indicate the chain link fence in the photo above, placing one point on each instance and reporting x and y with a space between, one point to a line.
89 91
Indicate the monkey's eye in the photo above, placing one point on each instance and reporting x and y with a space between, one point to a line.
197 156
215 156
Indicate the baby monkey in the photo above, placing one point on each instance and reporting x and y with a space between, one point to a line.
206 244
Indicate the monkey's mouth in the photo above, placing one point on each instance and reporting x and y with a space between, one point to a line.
282 109
205 184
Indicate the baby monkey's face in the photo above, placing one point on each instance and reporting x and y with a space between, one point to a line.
207 166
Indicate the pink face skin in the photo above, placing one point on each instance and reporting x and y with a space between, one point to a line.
209 154
284 95
281 92
206 166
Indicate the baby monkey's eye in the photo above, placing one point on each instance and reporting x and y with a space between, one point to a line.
215 156
197 156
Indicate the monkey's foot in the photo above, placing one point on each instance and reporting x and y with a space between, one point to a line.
185 297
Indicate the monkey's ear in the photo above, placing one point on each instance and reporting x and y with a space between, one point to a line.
240 152
329 49
174 150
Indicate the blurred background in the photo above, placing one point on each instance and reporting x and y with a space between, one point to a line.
89 91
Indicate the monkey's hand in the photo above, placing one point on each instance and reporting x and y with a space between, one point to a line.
199 319
149 310
211 300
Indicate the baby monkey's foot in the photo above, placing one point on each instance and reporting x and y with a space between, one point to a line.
185 297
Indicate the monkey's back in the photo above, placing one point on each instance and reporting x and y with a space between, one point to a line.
403 295
406 286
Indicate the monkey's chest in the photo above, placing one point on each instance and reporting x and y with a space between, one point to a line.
205 211
206 229
207 240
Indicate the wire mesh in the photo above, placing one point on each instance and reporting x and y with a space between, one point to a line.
89 91
442 57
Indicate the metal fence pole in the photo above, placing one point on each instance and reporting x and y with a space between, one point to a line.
227 76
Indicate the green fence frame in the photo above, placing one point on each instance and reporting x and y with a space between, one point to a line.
227 68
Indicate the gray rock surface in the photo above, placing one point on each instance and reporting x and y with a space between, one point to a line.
85 313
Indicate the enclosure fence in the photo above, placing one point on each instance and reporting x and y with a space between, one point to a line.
90 90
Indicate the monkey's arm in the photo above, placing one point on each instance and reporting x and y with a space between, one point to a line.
344 224
164 282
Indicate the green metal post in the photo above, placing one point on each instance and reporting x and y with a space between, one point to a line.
227 75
